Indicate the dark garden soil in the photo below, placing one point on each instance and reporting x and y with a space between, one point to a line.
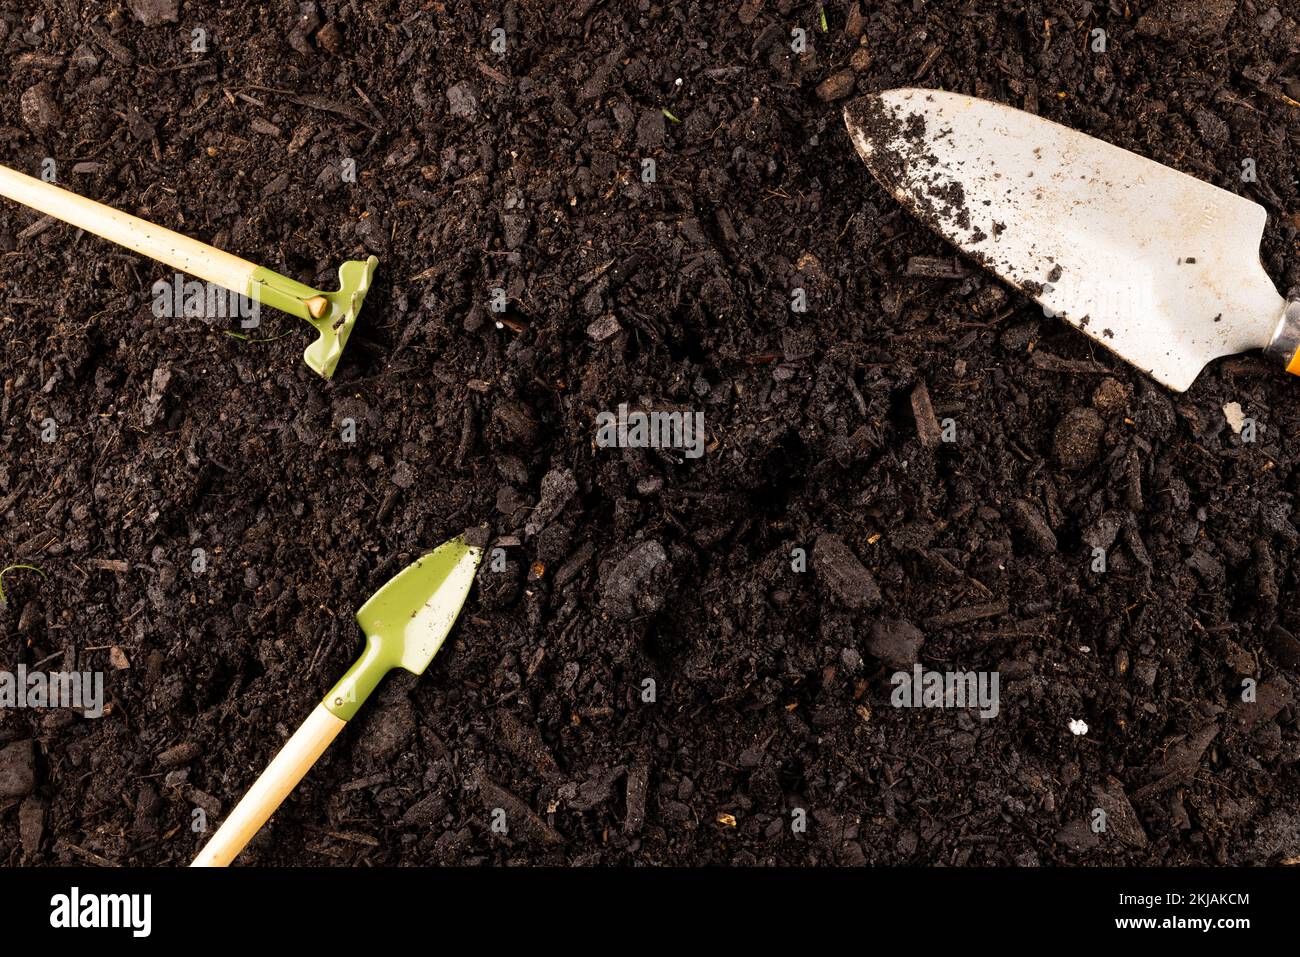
523 172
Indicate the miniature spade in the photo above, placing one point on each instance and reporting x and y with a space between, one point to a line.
405 624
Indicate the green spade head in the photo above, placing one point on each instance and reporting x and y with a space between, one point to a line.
407 620
332 313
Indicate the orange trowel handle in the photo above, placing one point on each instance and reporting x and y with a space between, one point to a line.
1285 344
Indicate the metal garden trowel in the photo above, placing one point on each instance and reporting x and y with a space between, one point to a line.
405 624
1161 268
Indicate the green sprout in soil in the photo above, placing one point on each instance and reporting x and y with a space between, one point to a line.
13 568
243 337
671 117
821 13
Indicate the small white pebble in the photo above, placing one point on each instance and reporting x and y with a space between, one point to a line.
1234 415
500 325
1078 726
678 81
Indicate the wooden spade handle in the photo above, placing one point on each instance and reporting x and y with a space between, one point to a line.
180 252
269 791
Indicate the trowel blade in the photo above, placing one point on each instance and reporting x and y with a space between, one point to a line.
413 613
1161 268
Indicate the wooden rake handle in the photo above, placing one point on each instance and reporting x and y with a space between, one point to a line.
284 772
180 252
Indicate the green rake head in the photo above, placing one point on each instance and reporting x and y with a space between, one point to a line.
333 314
